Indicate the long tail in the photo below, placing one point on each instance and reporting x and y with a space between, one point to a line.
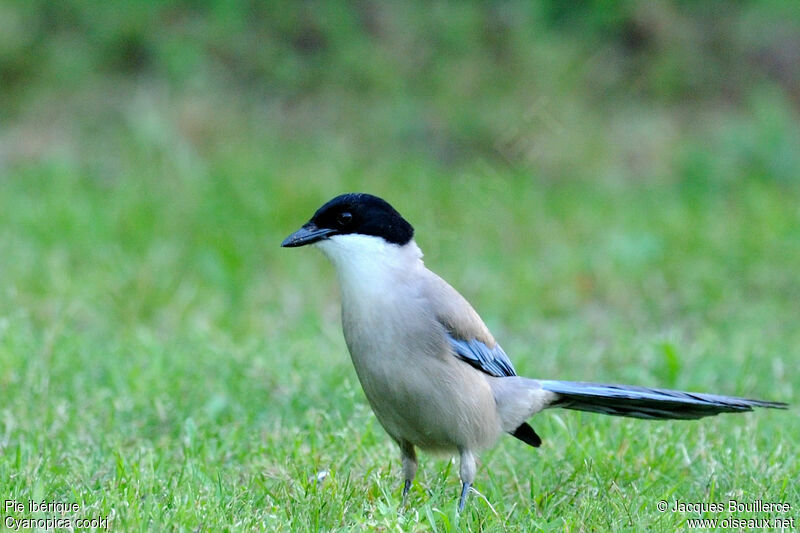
642 402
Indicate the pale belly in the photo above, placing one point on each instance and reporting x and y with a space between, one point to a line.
432 401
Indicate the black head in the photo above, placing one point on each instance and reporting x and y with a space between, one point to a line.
358 213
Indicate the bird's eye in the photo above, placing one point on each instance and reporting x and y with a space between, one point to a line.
344 218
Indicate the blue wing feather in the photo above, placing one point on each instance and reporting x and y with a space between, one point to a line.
493 361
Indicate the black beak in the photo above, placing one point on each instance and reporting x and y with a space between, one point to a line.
308 234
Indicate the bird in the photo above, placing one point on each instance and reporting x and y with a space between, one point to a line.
433 374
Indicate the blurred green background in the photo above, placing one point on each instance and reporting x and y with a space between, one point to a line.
616 189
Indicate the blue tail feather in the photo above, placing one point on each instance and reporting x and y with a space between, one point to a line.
643 402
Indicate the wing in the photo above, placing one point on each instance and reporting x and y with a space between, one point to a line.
471 340
493 361
469 337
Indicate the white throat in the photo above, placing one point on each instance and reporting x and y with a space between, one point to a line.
367 264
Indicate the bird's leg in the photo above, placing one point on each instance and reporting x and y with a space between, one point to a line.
409 457
462 501
467 474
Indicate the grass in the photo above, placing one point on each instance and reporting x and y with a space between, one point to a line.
165 364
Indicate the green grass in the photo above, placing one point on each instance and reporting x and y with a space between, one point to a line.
166 364
614 215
